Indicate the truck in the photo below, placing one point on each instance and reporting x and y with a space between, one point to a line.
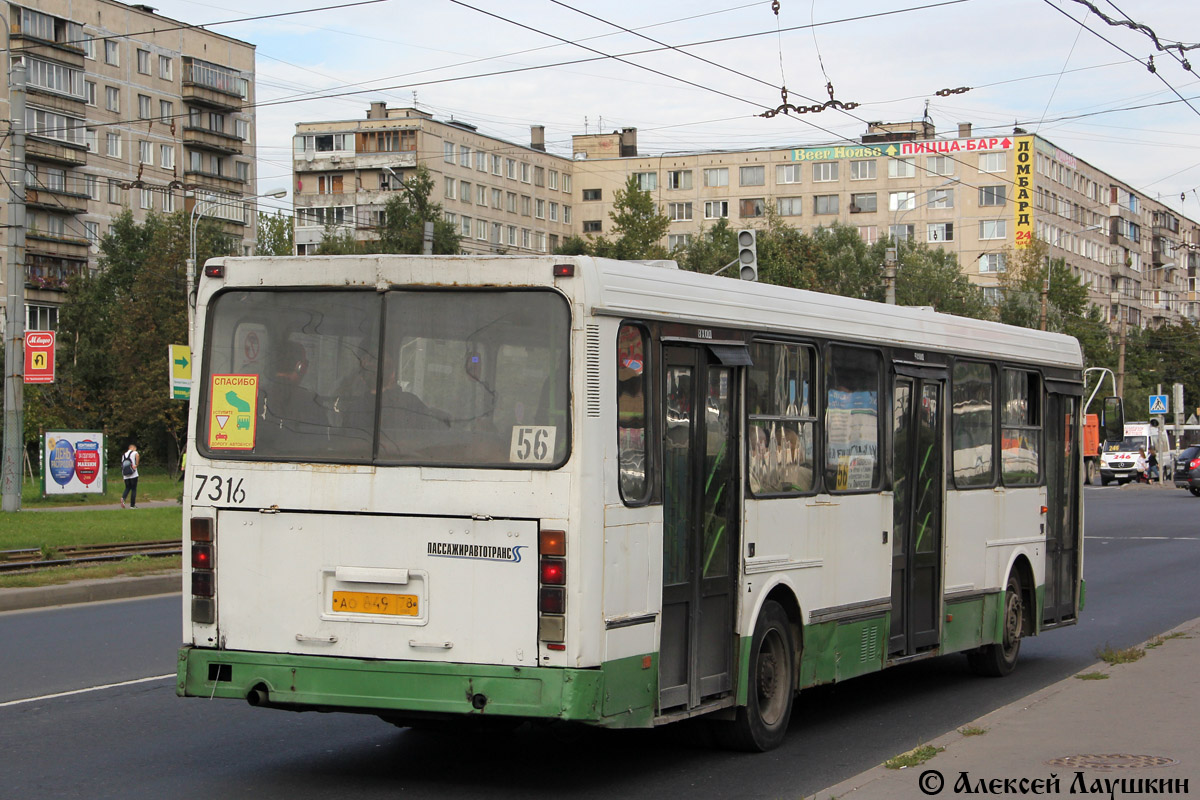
1091 447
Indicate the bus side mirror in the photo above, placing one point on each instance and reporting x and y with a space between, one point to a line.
1114 420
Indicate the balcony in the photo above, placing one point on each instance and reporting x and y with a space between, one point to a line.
63 201
212 86
51 273
219 183
214 141
55 150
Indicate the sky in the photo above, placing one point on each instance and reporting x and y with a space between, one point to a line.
1053 67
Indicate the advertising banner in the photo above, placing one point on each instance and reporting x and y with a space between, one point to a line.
73 462
1023 193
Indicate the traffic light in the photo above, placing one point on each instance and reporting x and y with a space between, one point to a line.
747 255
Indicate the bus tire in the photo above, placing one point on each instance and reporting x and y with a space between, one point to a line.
762 723
1000 659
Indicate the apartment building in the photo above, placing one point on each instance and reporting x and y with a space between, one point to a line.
124 109
503 197
980 196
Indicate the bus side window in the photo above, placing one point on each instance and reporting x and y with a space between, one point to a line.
974 464
632 414
781 419
1021 431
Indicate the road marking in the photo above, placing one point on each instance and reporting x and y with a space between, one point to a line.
84 691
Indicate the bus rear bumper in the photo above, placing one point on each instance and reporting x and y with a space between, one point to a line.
322 683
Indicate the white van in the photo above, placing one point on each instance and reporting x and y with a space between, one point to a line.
1118 461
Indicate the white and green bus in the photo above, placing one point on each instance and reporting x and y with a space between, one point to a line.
621 494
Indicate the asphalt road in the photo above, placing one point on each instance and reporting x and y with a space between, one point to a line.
138 740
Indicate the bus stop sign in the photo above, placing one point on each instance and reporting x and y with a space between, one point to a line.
39 357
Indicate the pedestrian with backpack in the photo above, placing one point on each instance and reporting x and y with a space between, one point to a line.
129 471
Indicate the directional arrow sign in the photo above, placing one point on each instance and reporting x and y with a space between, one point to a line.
179 358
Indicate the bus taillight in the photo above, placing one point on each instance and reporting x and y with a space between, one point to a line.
203 576
552 593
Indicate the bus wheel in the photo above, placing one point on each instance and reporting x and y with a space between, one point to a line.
998 660
762 723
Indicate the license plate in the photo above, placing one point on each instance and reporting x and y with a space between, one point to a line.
394 605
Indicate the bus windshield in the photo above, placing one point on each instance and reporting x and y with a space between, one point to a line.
454 378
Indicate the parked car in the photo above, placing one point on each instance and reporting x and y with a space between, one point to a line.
1187 469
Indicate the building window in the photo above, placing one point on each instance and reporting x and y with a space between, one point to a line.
902 233
862 170
751 207
91 185
991 195
992 262
677 240
539 177
646 181
168 202
112 53
716 177
863 202
567 215
902 168
526 205
510 202
450 185
89 46
524 172
940 165
825 171
497 198
527 238
481 195
752 176
552 179
497 233
679 212
788 173
89 92
825 204
941 198
679 179
789 206
481 160
112 98
147 198
591 194
869 233
241 129
481 230
993 229
143 61
91 230
114 191
902 201
448 152
592 226
993 162
497 164
165 64
554 212
716 209
144 106
939 232
146 153
466 226
464 156
241 171
464 190
112 144
166 111
166 155
539 209
512 235
566 183
42 318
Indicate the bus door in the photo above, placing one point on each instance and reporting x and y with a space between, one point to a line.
700 522
918 446
1062 505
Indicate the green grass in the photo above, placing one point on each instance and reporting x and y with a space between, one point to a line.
154 483
1127 656
1158 641
971 730
98 526
130 567
918 755
1092 676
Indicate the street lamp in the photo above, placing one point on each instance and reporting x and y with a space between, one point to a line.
891 264
198 210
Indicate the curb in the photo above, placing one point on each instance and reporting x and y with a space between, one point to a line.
89 591
999 716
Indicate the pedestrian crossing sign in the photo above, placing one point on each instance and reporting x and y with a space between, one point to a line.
1158 404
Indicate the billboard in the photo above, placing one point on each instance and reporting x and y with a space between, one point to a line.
73 462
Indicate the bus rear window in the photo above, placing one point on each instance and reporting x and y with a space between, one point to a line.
453 378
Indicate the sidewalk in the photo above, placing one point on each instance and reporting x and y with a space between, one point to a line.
1131 734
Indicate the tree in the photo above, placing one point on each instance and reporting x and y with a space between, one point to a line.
405 215
639 224
275 235
931 276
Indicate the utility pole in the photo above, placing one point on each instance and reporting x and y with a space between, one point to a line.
14 310
1045 292
889 276
1121 355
